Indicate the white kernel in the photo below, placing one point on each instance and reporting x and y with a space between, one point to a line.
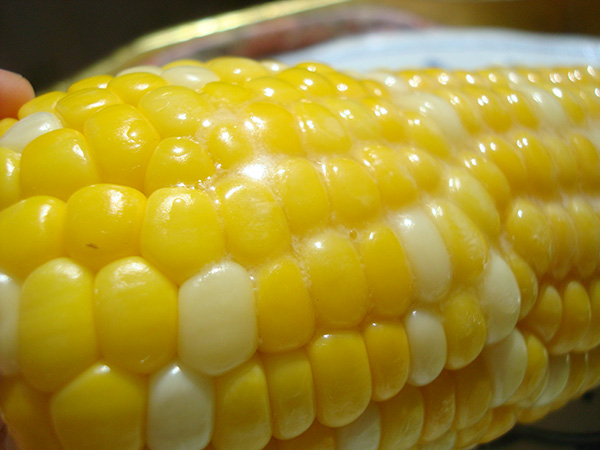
500 299
362 434
427 346
217 319
558 376
9 319
193 77
426 252
155 70
506 362
181 409
29 128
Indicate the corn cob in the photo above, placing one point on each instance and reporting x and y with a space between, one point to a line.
236 255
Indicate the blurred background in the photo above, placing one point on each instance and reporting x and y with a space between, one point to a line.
49 40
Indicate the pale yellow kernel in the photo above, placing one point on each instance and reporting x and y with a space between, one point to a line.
387 271
529 231
576 319
346 85
362 434
588 161
546 315
466 245
503 419
463 107
57 163
45 102
541 170
10 170
489 106
321 131
243 414
317 437
132 87
273 128
564 236
353 193
565 160
342 377
236 70
6 124
469 437
274 89
181 232
175 110
427 346
229 145
309 82
473 387
291 391
255 224
357 118
284 309
103 223
103 407
75 108
225 94
395 185
570 103
423 168
578 367
527 281
184 62
536 374
27 413
592 338
587 226
387 348
192 76
402 420
439 401
337 282
425 135
31 233
507 158
178 162
465 328
302 193
123 141
393 124
491 177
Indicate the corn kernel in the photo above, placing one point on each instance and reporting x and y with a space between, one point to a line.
337 283
427 346
563 237
274 128
527 281
103 223
463 108
588 160
592 338
132 87
57 163
45 102
593 375
439 404
340 367
76 107
357 118
536 373
558 377
243 414
423 168
402 420
538 161
57 334
387 348
10 297
425 134
576 318
587 225
193 77
503 419
229 145
274 89
10 170
144 68
321 131
362 434
564 160
307 81
224 94
468 437
489 107
393 124
291 390
506 157
31 233
546 315
24 131
101 408
285 312
473 386
236 70
98 81
6 124
181 232
578 368
317 437
491 177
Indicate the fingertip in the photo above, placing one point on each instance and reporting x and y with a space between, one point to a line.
15 91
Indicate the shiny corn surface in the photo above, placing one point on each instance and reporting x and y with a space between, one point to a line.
237 255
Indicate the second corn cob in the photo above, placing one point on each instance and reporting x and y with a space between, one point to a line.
238 256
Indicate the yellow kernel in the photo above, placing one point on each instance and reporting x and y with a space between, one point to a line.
123 141
353 193
546 315
340 367
302 193
592 338
291 390
587 227
564 235
402 419
541 170
491 177
503 419
225 94
31 233
317 67
393 124
97 81
525 219
463 107
229 145
321 130
588 160
102 408
507 158
346 85
536 374
570 104
565 161
464 325
57 335
285 313
236 70
308 82
181 232
75 108
518 107
178 162
337 282
466 245
357 118
273 128
387 271
472 198
274 89
439 403
527 281
473 388
131 87
387 348
6 124
57 163
183 62
489 107
317 437
576 319
423 168
45 102
467 437
10 170
255 225
175 110
103 224
27 414
373 88
424 134
243 414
